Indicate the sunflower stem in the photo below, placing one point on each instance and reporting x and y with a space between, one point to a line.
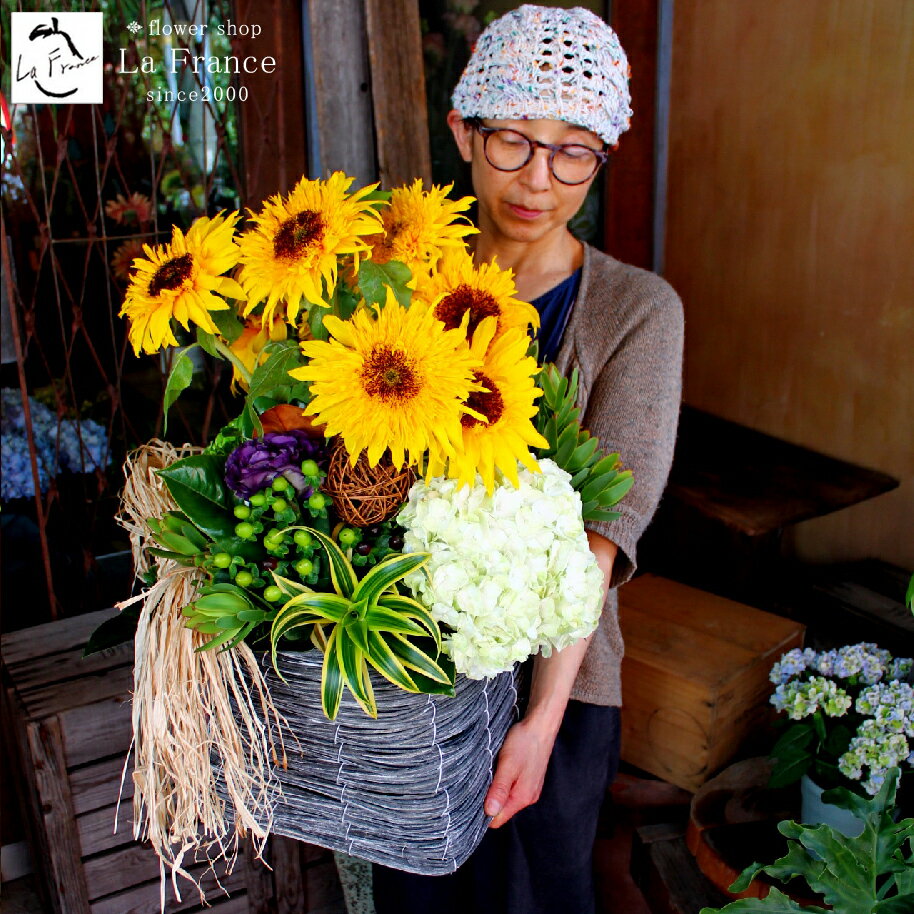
227 353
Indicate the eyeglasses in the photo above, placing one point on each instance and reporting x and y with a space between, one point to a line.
511 150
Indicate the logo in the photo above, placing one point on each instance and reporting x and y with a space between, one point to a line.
57 58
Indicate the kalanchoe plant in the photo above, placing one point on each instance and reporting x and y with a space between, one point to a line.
598 477
870 874
850 716
365 622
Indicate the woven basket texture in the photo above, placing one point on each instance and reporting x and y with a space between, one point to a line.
406 789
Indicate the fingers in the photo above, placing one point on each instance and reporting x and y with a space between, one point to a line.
514 787
506 773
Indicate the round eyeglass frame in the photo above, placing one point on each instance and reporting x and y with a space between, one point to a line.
485 132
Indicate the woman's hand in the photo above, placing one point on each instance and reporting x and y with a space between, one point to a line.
524 756
521 771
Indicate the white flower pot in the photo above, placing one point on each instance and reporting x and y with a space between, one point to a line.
813 811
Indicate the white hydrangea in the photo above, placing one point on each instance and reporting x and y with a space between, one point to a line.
511 572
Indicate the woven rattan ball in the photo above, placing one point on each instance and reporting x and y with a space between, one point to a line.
364 495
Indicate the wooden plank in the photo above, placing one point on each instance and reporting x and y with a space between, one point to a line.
97 785
131 865
323 891
669 877
44 701
756 483
343 121
144 899
660 598
96 829
272 134
52 637
258 881
629 221
96 730
63 667
398 91
288 878
62 862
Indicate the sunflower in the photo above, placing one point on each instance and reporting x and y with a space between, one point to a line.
508 405
419 226
248 347
396 380
293 248
181 280
456 288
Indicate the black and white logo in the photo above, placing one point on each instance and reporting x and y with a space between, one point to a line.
57 58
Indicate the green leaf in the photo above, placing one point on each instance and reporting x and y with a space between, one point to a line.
413 609
179 378
272 374
352 664
383 659
900 904
414 658
229 326
775 903
207 342
341 571
197 486
376 278
114 631
381 619
909 596
331 678
385 573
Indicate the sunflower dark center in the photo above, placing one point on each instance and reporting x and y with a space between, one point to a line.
389 375
171 274
296 233
464 298
489 402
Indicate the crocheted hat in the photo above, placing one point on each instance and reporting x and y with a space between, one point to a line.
544 62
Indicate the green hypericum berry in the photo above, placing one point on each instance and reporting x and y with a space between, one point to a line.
258 500
273 537
304 567
310 468
280 484
317 501
279 505
302 538
244 530
272 593
244 579
242 512
348 536
222 560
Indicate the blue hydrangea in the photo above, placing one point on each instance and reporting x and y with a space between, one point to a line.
75 446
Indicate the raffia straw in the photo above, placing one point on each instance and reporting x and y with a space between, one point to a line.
185 731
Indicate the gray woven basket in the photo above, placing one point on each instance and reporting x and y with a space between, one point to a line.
405 789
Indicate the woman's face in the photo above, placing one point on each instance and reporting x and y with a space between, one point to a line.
528 204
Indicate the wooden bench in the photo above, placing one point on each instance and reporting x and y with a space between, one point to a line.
69 719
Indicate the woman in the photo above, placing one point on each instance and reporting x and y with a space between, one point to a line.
542 97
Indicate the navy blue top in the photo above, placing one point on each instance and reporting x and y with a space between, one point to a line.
554 309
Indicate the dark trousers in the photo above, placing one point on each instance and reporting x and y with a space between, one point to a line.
541 861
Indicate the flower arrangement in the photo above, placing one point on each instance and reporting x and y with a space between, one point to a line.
850 716
404 489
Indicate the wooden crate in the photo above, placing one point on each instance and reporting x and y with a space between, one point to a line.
69 719
695 681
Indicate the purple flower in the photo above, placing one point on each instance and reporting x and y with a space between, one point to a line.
255 464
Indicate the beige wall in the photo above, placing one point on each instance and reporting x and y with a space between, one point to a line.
790 237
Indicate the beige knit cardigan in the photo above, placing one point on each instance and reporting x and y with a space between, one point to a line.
625 336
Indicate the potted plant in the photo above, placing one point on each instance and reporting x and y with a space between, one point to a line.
850 718
872 873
